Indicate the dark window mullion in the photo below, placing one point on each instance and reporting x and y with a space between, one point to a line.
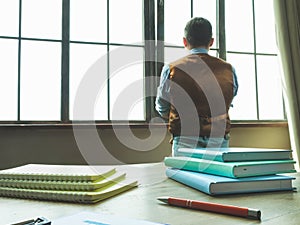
160 36
255 61
19 62
221 35
65 67
192 8
149 58
108 63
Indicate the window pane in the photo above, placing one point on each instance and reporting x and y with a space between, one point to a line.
82 58
88 20
9 18
40 80
270 99
177 14
239 25
265 27
244 104
213 53
42 19
126 21
172 54
9 79
206 9
127 88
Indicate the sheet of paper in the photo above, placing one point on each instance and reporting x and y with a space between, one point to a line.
89 218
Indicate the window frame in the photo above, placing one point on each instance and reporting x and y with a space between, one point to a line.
222 53
154 22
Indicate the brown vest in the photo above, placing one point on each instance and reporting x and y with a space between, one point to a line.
201 88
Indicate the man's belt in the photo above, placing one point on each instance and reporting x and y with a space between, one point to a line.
207 119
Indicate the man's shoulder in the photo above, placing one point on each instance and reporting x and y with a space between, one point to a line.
218 60
192 57
182 60
179 60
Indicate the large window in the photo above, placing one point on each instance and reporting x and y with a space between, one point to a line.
248 44
97 28
251 47
48 48
30 53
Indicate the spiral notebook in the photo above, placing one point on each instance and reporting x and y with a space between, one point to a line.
58 172
63 185
71 183
70 196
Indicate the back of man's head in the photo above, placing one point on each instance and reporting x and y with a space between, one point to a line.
198 32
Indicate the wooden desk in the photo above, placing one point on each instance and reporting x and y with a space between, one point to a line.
140 203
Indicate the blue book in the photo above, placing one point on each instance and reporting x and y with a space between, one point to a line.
217 185
231 169
235 154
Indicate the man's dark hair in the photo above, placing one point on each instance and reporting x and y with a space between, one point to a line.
198 32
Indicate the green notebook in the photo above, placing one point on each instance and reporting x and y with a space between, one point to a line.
71 196
71 183
63 185
231 169
58 172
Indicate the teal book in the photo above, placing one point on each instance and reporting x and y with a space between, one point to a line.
235 154
218 185
231 169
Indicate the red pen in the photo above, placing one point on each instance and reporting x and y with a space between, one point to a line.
213 207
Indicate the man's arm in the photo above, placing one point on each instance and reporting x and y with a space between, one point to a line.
235 82
162 101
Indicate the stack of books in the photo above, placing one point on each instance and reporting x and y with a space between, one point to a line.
232 170
70 183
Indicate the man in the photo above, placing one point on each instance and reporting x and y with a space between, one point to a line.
196 92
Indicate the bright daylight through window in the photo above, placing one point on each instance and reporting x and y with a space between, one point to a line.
47 47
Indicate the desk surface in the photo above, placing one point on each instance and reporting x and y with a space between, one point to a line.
140 203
